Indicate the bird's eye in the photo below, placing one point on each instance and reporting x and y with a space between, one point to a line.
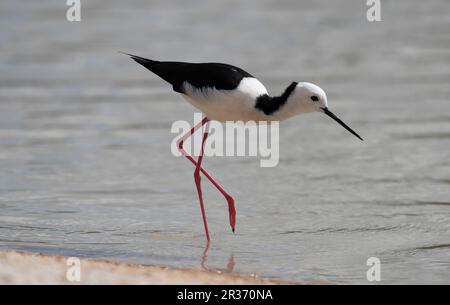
314 98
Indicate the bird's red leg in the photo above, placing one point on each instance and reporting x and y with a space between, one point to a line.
198 183
230 200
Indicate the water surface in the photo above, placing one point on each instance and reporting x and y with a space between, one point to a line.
85 137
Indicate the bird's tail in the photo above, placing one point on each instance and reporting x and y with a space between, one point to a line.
141 60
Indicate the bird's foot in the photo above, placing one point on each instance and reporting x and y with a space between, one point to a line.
232 212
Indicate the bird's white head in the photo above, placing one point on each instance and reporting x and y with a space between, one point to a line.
307 97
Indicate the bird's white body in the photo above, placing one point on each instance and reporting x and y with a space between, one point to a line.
228 105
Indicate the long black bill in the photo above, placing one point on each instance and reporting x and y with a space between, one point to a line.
334 117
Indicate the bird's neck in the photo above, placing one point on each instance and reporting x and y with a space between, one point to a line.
276 107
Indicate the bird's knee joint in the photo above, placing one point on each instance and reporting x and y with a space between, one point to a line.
180 145
197 175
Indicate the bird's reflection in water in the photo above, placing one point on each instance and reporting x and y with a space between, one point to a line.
228 269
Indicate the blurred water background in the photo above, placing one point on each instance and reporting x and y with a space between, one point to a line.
85 161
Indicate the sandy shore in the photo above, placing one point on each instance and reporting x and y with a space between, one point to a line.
25 268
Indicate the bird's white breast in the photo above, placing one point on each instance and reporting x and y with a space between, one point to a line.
228 105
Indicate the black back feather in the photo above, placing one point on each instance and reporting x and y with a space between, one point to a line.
200 75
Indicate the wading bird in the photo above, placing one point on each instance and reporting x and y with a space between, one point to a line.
227 93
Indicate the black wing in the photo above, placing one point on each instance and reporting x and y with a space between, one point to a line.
200 75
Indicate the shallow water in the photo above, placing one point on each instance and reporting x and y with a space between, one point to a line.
85 138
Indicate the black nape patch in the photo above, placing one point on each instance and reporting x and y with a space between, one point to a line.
269 104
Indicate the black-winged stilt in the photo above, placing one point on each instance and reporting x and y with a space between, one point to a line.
227 93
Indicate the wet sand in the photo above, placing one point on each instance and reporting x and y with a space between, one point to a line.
26 268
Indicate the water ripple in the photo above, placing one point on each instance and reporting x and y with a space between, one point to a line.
346 230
